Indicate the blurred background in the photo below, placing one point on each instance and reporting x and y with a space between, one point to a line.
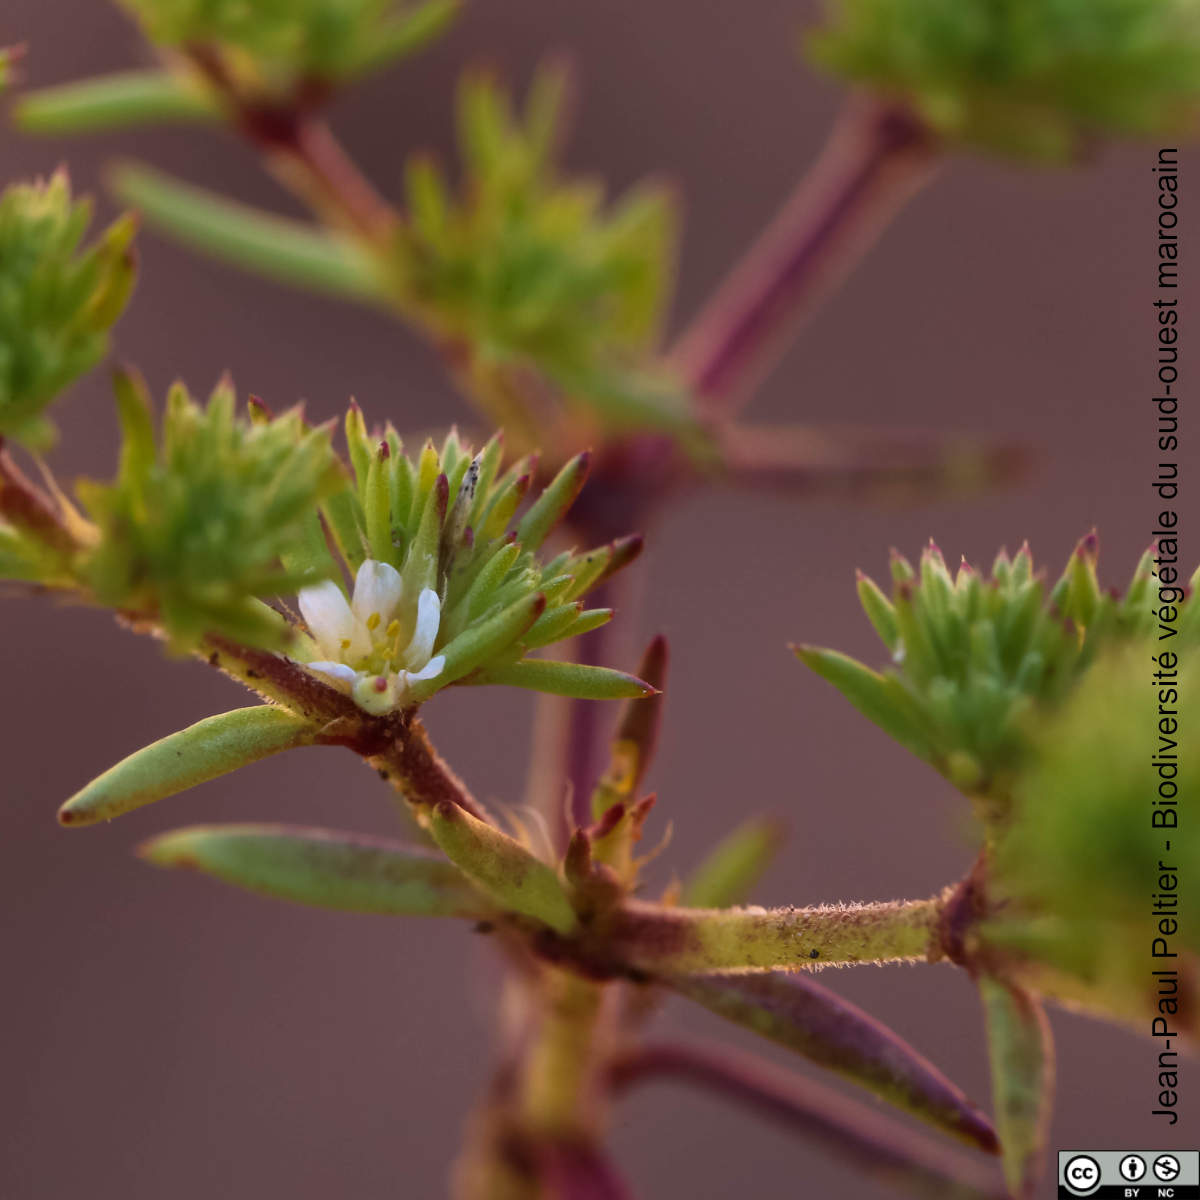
160 1036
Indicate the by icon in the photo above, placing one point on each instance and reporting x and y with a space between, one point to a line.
1132 1167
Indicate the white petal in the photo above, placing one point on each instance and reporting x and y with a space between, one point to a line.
429 618
327 614
377 589
339 672
431 670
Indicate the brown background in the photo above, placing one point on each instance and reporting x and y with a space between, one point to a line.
160 1036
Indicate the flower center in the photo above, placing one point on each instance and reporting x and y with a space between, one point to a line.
387 645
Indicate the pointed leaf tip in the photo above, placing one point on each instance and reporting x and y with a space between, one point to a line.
552 505
879 610
206 750
625 550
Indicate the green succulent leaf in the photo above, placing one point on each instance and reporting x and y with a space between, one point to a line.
1025 77
58 301
292 252
486 639
207 750
574 680
876 696
502 868
322 868
1022 1058
552 505
115 102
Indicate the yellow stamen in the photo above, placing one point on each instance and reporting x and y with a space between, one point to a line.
373 622
393 636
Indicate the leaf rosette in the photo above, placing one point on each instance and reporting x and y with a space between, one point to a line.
973 658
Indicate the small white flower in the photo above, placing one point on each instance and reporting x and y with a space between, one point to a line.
374 647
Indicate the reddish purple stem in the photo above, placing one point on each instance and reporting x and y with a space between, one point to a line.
878 156
581 1172
828 1030
838 1125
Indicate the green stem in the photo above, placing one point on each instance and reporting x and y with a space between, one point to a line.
657 940
561 1094
546 1105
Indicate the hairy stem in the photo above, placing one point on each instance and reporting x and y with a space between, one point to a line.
878 156
659 940
410 763
273 677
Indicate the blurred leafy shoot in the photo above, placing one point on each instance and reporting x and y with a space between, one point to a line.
526 270
1036 78
58 301
274 45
